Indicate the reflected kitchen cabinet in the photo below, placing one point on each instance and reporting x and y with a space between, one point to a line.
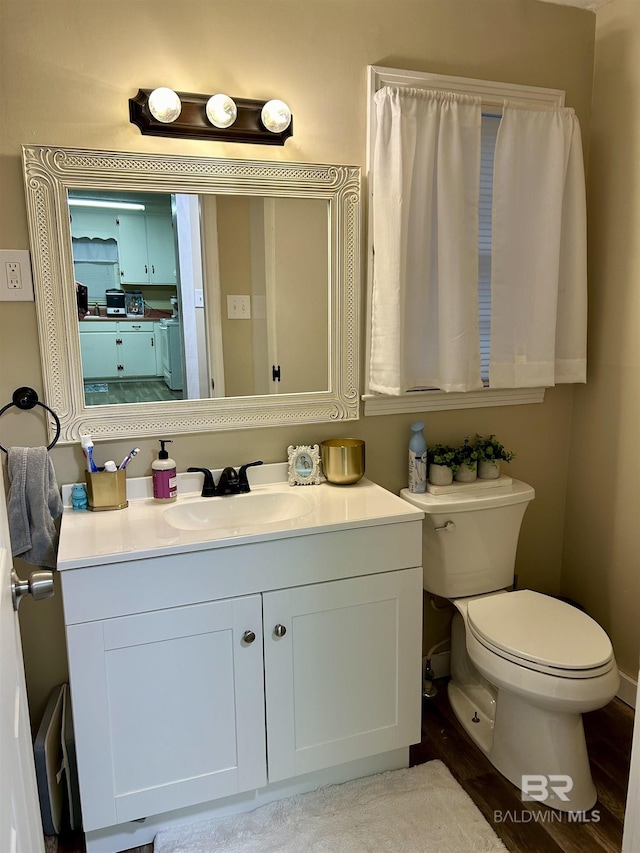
117 349
146 249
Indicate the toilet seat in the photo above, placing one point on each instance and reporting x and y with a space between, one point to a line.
541 633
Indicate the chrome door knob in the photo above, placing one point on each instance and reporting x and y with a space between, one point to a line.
279 630
39 585
248 637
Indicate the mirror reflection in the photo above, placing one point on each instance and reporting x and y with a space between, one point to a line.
186 296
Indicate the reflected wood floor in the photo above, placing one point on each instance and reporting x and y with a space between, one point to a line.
608 732
109 392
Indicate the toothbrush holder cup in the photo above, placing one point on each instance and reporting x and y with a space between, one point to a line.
106 490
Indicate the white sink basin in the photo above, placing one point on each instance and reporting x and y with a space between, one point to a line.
237 512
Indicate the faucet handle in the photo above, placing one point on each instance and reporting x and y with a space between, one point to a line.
243 481
208 486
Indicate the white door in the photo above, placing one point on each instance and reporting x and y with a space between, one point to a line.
631 838
20 821
342 670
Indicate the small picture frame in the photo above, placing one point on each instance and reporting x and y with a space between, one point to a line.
304 465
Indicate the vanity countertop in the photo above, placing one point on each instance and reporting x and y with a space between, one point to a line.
143 530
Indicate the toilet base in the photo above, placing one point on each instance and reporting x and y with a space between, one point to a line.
546 746
525 741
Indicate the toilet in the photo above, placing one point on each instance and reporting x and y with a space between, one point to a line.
524 666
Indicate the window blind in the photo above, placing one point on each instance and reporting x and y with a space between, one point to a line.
489 131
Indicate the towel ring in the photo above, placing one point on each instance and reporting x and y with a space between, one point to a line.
26 398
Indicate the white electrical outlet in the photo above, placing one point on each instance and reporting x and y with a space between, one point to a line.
238 307
16 284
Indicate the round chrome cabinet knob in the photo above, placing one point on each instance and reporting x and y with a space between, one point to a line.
279 630
248 637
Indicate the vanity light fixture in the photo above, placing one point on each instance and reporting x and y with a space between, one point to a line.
215 117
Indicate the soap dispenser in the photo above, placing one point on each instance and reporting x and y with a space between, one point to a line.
164 475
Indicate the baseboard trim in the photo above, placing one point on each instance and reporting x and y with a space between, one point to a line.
627 690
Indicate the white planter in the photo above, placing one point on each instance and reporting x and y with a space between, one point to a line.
464 474
440 475
489 469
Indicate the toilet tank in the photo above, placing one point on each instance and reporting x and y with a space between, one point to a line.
470 536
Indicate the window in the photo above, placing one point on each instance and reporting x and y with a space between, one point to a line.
492 95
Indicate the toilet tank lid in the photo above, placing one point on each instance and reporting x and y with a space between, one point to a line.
540 628
468 500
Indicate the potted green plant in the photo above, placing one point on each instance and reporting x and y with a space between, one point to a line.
490 454
442 464
466 458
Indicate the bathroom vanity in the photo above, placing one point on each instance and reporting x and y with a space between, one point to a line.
225 652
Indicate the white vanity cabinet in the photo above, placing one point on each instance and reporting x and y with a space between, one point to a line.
259 665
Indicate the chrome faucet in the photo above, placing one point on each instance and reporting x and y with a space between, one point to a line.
231 482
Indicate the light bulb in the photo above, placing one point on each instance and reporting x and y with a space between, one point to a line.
276 116
221 110
164 105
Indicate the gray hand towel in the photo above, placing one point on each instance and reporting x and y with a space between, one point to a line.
33 505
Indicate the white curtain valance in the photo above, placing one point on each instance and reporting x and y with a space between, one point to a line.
426 167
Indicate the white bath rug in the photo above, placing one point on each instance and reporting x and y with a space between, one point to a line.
418 810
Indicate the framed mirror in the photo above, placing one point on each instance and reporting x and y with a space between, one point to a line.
182 294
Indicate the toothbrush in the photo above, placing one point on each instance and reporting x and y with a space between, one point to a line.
128 458
87 450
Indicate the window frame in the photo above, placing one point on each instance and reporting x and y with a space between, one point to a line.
493 95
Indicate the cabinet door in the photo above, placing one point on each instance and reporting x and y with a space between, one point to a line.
161 248
138 352
132 248
344 680
168 709
100 354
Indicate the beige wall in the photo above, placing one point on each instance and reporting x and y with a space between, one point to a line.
602 544
68 68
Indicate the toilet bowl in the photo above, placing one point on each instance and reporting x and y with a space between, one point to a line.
524 666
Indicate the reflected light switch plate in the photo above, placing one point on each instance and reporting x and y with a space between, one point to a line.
238 307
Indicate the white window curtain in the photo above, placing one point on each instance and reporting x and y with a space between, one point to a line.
424 301
539 276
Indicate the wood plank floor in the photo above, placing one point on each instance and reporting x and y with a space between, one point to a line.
608 732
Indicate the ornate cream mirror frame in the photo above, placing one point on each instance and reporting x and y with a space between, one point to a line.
49 174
